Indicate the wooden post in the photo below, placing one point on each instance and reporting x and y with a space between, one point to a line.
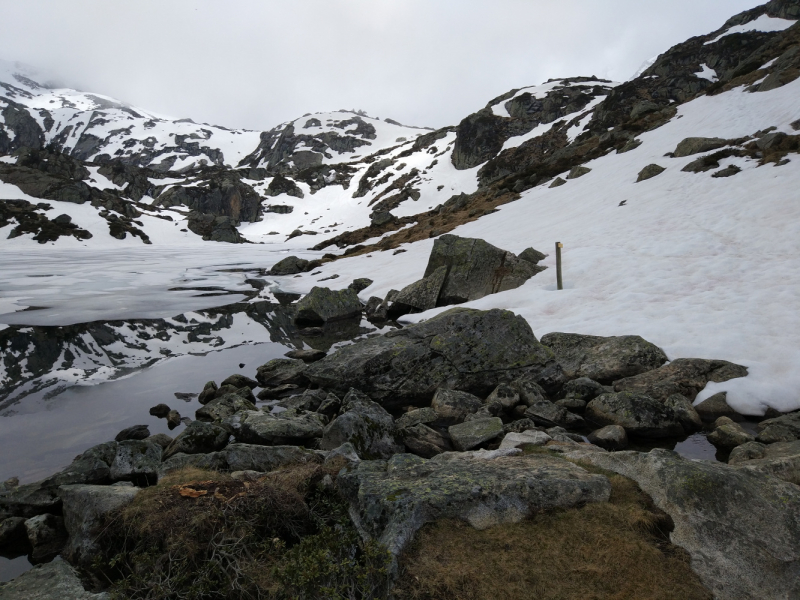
560 282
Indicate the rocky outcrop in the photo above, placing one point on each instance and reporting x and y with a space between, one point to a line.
56 580
214 228
291 265
685 376
739 527
391 500
603 359
461 349
218 192
30 219
322 305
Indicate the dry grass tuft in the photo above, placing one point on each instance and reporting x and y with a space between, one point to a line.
610 551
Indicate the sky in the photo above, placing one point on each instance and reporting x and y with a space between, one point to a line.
256 63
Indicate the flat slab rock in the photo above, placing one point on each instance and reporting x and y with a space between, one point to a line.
739 526
390 500
54 581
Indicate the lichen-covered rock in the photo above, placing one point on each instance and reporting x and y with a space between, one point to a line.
425 441
425 416
29 500
291 265
238 380
578 171
685 376
46 536
206 396
695 145
716 406
420 295
740 527
452 407
525 438
282 371
391 500
198 438
309 400
55 580
785 428
727 434
603 359
583 388
469 435
649 172
287 427
462 349
137 461
360 284
366 425
610 437
781 459
322 305
685 412
639 414
222 407
241 457
85 510
548 414
475 268
748 451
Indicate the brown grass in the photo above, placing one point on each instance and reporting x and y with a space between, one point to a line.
615 550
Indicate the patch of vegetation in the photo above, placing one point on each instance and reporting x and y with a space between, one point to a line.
615 550
201 535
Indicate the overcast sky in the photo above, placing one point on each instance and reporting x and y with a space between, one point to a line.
255 63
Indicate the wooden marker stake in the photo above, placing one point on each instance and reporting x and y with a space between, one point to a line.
560 282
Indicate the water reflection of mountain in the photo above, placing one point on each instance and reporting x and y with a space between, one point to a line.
34 358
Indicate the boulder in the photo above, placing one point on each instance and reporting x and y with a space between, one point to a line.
56 580
281 391
225 390
85 510
525 438
780 429
727 434
309 400
462 349
46 536
781 459
208 393
475 269
137 432
452 407
716 406
13 532
29 500
739 527
610 437
391 500
239 381
287 427
696 145
160 410
366 425
198 438
282 371
425 441
291 265
420 295
639 414
506 395
603 359
160 439
360 284
472 434
583 388
578 171
685 412
649 172
173 419
307 356
548 414
532 255
346 451
223 407
520 425
425 416
137 461
322 305
685 376
249 457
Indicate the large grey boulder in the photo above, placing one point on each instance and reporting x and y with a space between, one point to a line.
291 265
55 580
287 427
391 500
504 394
603 359
684 412
525 438
366 425
785 428
452 407
685 376
420 295
740 527
461 349
322 305
639 414
695 145
425 441
281 371
610 437
472 434
198 438
475 269
424 415
85 510
29 500
137 461
222 407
